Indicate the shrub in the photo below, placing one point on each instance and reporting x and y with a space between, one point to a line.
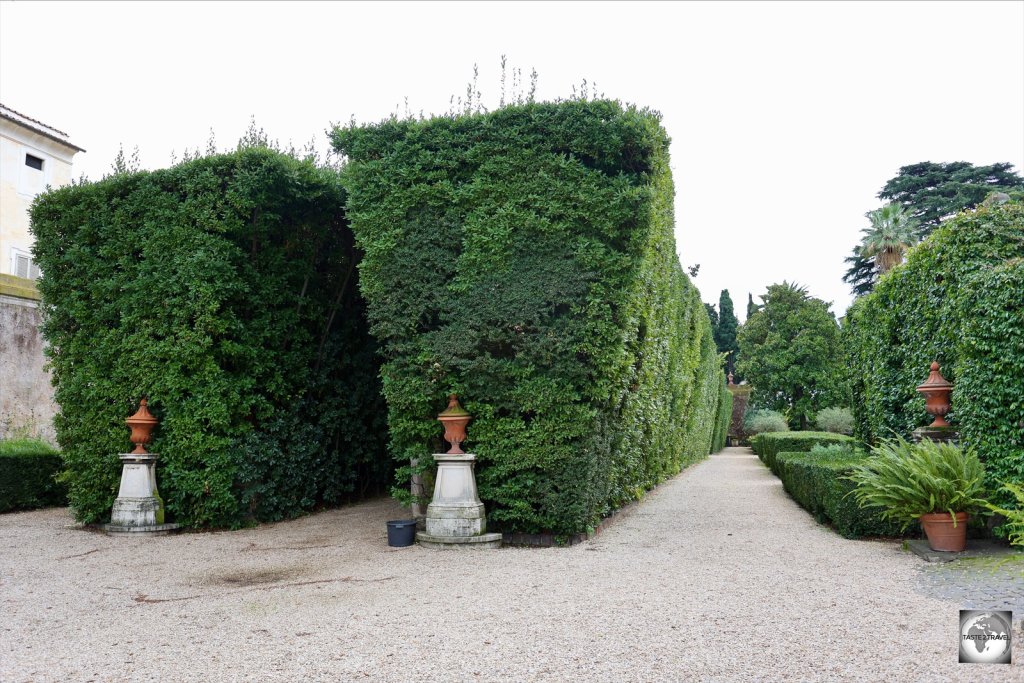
835 420
224 290
761 421
28 468
525 260
907 480
1014 527
768 445
818 481
958 299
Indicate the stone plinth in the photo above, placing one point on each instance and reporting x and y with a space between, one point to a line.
455 517
138 508
939 434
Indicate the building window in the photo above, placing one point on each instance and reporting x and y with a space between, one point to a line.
24 266
34 162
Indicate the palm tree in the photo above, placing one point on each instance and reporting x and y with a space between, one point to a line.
893 231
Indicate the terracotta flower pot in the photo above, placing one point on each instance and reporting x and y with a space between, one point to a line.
942 535
936 390
454 418
142 424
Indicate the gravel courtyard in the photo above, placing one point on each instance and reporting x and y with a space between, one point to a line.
716 576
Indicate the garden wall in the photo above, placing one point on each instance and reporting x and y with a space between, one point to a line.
223 289
26 396
958 299
525 259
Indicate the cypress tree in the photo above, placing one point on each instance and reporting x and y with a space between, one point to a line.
725 331
752 308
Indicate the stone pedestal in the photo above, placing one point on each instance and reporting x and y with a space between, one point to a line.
939 434
138 508
455 517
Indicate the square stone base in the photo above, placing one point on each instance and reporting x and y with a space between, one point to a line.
486 541
149 530
143 512
456 520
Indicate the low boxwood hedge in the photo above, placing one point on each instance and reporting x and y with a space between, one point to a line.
770 444
816 481
27 471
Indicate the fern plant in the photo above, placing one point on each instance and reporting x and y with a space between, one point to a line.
908 480
1014 518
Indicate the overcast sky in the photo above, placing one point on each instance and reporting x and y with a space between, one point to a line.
785 118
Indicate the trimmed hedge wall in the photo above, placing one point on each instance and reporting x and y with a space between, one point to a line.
815 480
224 290
725 399
525 259
768 445
958 299
28 470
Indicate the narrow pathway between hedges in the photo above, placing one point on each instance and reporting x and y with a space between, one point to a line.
717 575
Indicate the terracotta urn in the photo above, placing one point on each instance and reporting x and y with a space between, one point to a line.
142 424
936 390
943 535
454 418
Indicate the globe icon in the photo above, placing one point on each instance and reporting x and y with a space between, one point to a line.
985 638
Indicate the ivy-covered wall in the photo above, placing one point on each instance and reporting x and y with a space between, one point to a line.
525 259
958 299
224 289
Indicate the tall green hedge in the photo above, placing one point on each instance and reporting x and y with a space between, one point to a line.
725 398
223 289
525 259
958 299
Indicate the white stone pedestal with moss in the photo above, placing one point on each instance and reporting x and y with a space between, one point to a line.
455 517
138 508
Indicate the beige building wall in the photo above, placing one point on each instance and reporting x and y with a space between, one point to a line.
32 157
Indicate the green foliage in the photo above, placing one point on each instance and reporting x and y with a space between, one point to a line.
724 415
932 192
988 397
761 421
1014 527
935 191
713 317
525 259
959 299
752 308
28 468
725 331
891 234
836 420
907 480
768 445
818 482
224 290
790 353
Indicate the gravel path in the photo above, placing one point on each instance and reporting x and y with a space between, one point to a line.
716 576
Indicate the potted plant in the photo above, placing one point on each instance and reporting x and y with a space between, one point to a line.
937 483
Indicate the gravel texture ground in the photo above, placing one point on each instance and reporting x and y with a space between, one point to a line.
716 576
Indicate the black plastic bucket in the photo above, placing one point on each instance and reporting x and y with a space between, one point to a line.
401 533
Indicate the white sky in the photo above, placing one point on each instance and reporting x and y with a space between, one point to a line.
786 118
